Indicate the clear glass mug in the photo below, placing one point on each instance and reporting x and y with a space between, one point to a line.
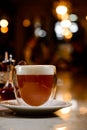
36 84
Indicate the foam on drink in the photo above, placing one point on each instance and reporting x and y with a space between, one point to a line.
35 69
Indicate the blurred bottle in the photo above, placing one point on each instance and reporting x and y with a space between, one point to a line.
5 62
7 92
4 70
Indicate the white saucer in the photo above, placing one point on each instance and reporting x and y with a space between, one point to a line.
54 106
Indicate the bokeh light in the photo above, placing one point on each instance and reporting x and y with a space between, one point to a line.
4 23
4 29
26 22
61 9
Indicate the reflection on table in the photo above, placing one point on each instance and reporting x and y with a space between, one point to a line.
71 88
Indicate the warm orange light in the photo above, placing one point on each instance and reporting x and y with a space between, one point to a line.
67 33
61 8
26 22
65 16
86 17
68 36
4 29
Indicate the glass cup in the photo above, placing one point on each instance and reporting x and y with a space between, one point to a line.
36 84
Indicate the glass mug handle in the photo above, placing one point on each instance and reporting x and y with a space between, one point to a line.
55 85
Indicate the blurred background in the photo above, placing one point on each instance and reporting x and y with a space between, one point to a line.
45 32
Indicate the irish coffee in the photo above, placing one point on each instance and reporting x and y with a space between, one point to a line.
35 83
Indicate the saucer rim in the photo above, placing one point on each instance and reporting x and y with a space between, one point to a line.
10 104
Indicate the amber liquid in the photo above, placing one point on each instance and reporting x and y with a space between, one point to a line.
35 89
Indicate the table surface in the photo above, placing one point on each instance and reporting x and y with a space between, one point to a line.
70 118
74 118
